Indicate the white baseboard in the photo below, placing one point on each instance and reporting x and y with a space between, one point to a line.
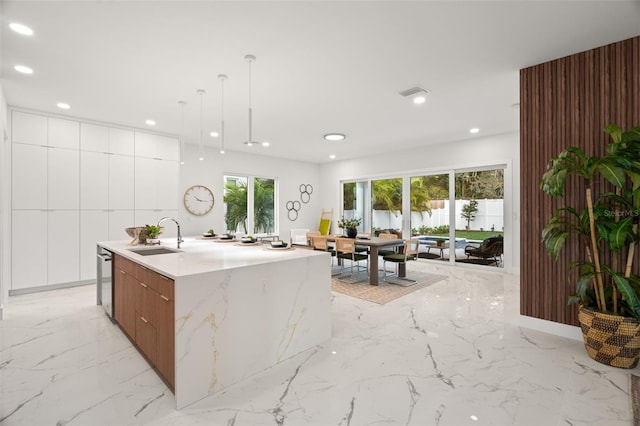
551 327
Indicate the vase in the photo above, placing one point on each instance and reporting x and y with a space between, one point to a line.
352 232
610 339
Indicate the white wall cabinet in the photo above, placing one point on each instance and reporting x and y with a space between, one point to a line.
94 138
94 227
156 184
28 177
64 133
28 248
28 128
63 246
63 178
121 141
76 183
94 180
121 182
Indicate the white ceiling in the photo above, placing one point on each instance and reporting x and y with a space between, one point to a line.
321 66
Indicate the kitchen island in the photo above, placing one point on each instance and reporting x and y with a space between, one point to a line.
237 309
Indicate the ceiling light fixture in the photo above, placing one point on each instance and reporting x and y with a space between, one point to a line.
474 130
23 69
417 93
201 92
150 122
222 78
334 136
63 105
182 104
21 29
214 134
332 156
266 144
250 141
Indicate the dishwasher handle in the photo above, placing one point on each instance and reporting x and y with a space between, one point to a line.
105 257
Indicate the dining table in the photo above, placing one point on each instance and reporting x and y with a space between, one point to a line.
374 244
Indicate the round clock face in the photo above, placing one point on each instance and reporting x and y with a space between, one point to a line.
198 200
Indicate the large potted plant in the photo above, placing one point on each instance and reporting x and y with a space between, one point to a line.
606 225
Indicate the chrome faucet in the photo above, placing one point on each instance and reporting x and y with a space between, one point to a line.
180 240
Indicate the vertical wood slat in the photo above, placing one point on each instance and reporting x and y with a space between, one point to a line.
563 103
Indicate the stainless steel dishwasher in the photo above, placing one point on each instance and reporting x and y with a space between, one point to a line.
104 280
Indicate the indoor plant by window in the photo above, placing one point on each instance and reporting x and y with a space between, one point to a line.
606 224
350 226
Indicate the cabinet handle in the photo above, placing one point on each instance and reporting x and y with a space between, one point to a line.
143 285
122 272
166 299
164 278
144 320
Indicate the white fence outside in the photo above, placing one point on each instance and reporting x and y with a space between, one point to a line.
490 216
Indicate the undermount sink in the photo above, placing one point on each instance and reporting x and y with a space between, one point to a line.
153 251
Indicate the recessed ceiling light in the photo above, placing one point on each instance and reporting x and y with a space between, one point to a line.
214 134
150 122
21 29
201 158
474 130
265 144
23 69
63 105
222 151
334 136
332 156
419 99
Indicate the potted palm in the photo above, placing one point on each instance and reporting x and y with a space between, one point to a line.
606 224
350 226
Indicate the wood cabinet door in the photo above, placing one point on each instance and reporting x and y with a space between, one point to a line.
128 322
165 339
146 337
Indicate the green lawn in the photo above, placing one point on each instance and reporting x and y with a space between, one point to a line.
472 235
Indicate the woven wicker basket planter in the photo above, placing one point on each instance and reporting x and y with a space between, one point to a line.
610 339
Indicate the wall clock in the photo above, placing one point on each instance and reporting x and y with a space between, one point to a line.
198 200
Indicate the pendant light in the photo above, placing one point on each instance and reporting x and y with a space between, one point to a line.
222 78
182 104
250 59
201 92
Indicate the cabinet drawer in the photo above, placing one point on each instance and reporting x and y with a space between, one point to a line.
143 274
164 286
123 264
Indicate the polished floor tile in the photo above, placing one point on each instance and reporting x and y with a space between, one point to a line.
448 354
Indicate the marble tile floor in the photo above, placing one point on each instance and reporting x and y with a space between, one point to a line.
448 354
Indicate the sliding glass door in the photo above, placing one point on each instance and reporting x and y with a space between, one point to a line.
456 214
479 201
386 206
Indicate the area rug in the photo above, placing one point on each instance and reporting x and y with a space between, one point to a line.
634 395
358 286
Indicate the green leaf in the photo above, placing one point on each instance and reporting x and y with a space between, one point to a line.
630 296
620 232
614 131
612 173
555 242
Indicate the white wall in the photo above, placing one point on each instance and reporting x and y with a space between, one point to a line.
211 171
5 207
481 151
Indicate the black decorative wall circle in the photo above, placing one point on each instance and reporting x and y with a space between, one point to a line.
293 207
305 192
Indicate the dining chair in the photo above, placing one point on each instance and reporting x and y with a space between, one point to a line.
320 243
410 252
387 236
346 250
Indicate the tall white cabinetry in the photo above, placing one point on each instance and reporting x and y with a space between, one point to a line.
45 200
76 183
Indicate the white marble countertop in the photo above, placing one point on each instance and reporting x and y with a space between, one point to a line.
200 256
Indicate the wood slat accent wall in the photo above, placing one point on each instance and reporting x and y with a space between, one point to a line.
563 103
